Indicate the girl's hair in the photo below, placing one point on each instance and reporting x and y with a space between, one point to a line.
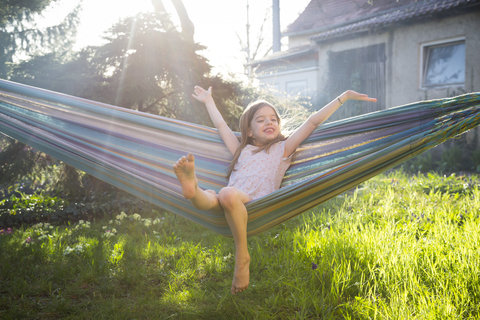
245 121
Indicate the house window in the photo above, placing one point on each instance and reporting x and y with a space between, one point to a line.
296 87
444 64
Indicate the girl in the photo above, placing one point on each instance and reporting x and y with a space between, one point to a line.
259 162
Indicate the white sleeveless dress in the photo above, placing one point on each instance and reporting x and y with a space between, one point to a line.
259 174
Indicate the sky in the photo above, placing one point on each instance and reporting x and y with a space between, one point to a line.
218 24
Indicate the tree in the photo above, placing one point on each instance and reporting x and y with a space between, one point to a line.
19 34
146 65
154 67
251 54
18 30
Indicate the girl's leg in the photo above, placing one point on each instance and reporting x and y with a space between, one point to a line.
184 168
233 202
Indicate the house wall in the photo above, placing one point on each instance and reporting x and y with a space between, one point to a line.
281 81
404 84
291 75
299 40
404 59
404 65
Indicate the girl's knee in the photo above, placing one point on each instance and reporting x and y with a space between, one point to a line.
228 197
211 191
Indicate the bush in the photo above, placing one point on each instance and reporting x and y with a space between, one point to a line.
421 163
22 205
451 160
21 208
16 160
475 158
59 194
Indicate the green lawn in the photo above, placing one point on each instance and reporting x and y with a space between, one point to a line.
399 247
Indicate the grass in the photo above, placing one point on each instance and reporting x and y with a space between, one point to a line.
398 247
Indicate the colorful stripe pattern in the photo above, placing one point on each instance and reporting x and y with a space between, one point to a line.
135 151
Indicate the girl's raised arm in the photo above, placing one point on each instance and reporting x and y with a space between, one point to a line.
319 117
224 130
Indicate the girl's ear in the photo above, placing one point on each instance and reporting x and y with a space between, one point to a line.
249 133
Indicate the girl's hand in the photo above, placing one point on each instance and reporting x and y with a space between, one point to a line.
201 94
352 95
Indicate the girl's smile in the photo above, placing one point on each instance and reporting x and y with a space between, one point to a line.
264 126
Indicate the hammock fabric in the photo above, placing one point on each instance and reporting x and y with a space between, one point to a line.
135 151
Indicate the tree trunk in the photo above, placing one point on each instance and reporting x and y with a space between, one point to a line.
188 28
164 18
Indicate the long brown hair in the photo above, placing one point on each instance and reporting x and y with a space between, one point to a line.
245 121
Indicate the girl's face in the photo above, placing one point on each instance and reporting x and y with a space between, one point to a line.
264 126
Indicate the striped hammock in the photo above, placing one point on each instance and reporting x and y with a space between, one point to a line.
135 151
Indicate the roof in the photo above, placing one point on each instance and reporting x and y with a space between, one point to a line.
330 18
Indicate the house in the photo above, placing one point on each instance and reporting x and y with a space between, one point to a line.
397 51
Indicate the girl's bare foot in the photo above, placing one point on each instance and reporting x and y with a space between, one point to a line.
184 168
241 276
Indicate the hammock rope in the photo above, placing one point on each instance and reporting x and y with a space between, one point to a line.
135 151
